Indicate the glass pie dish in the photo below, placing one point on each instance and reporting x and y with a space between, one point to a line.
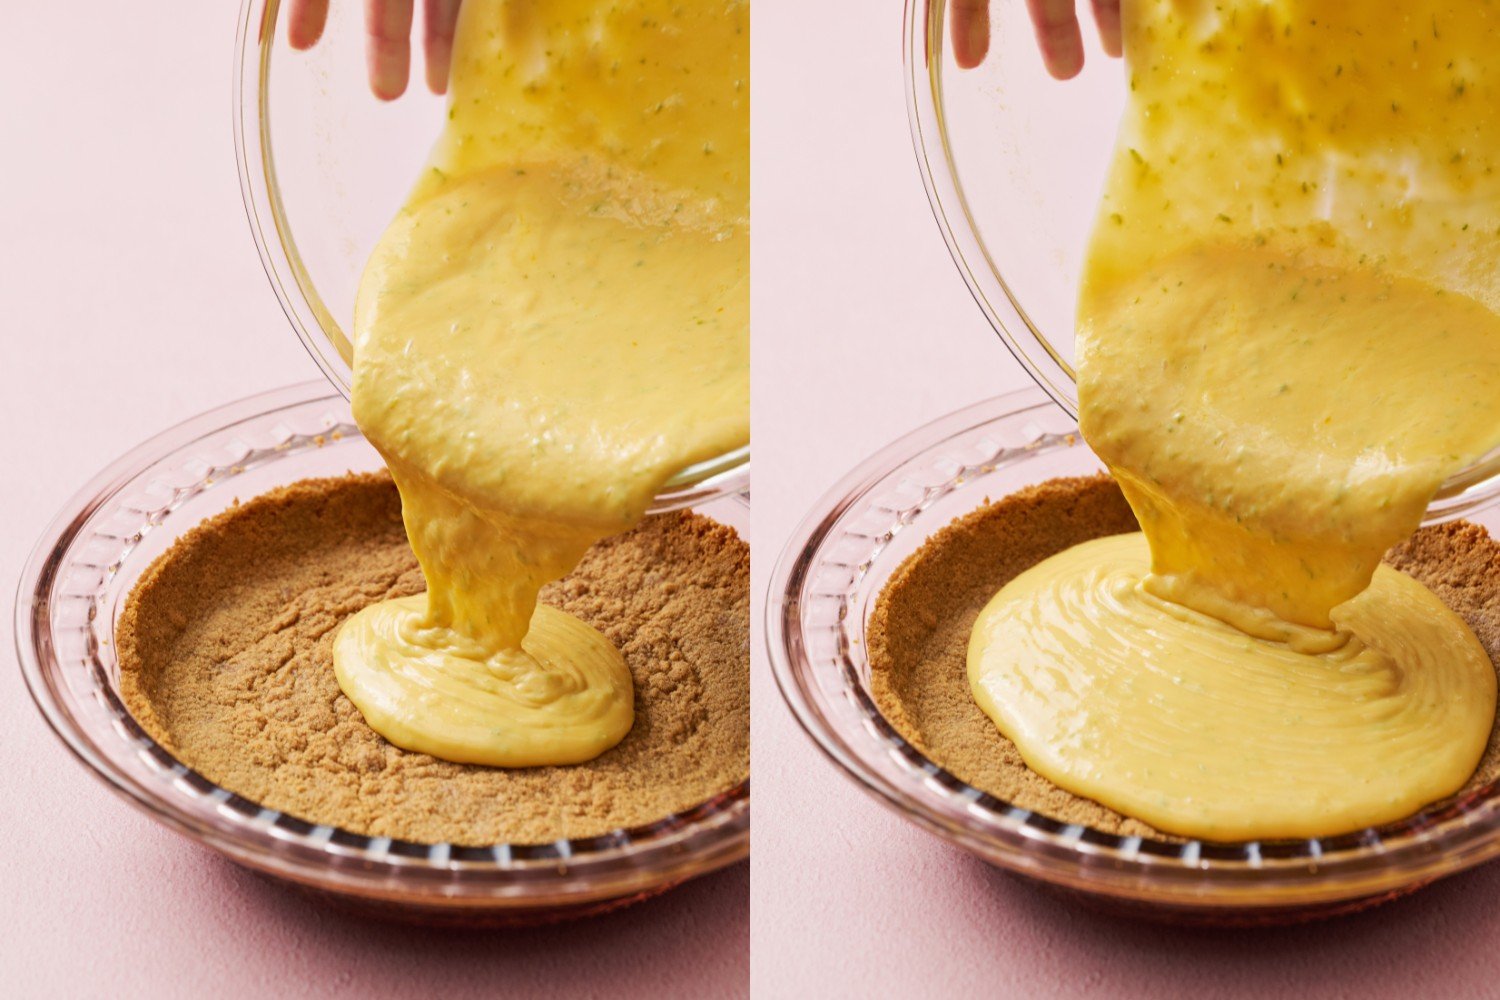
823 591
70 597
1014 162
323 168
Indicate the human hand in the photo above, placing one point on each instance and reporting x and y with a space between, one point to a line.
388 25
1057 32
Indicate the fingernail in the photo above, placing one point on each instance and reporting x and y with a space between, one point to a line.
979 38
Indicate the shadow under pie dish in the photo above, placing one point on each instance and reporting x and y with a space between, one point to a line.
854 683
73 596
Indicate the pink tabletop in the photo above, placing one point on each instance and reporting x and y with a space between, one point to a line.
131 298
863 330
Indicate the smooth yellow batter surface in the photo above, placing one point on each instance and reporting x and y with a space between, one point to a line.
1287 341
556 324
1223 734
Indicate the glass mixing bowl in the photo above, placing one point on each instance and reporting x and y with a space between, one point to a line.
1014 163
70 597
823 591
323 168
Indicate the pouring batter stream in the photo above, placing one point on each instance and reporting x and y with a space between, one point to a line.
556 324
1287 341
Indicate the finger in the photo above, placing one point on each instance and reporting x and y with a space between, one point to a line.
971 32
1107 17
1057 36
305 22
388 46
438 19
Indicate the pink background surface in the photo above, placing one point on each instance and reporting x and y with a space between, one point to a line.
131 298
863 330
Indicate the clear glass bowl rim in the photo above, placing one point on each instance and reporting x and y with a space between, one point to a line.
1196 875
310 318
923 49
564 873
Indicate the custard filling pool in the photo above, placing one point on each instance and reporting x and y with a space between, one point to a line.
1287 340
556 323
